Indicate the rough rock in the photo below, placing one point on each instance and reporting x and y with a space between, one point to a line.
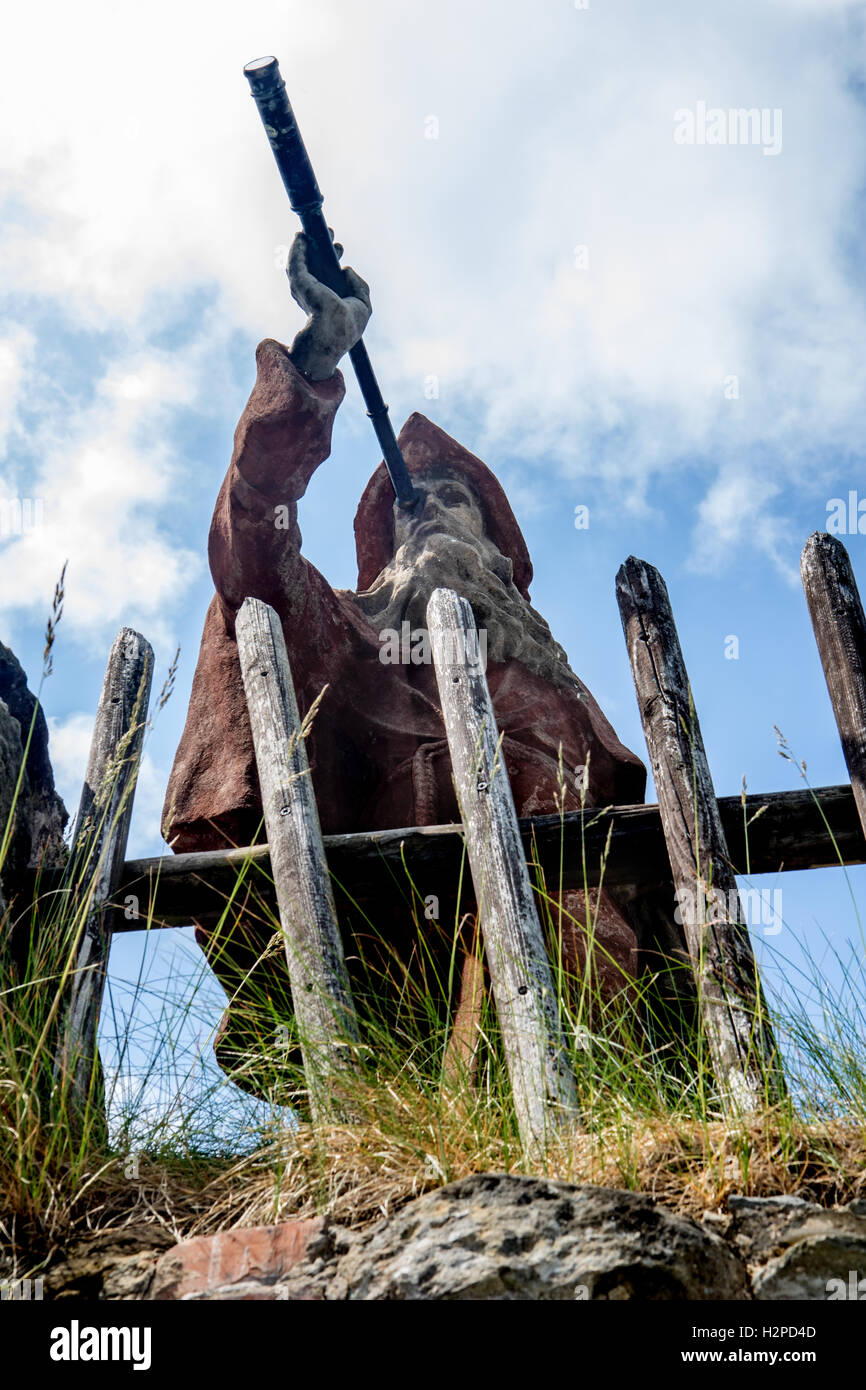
760 1228
39 814
102 1265
813 1268
129 1278
500 1237
794 1248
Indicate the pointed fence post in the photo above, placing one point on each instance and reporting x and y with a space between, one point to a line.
729 991
837 617
99 849
545 1095
321 996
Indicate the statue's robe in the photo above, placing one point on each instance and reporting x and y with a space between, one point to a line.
377 750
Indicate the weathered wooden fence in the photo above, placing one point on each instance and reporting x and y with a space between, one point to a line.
729 991
545 1096
321 996
98 850
692 842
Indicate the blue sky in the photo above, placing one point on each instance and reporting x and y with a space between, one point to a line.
672 335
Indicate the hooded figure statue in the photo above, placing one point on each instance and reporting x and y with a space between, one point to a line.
377 750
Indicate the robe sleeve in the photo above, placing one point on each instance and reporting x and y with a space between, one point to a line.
283 435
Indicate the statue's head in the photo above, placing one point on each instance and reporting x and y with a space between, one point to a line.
461 534
460 503
447 505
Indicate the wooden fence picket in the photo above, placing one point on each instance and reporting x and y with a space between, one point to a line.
729 992
543 1086
837 617
321 996
99 848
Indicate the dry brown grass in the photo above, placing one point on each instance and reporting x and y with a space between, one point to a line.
357 1175
410 1143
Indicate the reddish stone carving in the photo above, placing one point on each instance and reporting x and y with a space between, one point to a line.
377 750
246 1261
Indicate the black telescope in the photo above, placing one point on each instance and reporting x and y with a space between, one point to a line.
293 162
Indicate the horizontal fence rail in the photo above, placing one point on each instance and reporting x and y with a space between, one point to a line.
800 829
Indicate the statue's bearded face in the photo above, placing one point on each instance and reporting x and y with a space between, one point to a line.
443 543
448 506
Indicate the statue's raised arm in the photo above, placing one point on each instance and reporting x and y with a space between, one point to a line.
283 435
254 548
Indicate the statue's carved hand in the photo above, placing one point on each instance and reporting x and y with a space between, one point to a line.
335 324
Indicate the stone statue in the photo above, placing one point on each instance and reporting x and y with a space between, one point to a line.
377 749
32 811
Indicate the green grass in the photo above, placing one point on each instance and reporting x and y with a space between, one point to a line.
650 1113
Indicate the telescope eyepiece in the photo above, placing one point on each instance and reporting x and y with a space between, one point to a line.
257 64
264 76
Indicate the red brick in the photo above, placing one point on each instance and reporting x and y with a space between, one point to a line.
257 1254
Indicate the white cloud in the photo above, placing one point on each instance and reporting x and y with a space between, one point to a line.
144 174
104 480
69 746
16 346
735 518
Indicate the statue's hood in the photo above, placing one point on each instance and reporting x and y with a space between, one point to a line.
423 445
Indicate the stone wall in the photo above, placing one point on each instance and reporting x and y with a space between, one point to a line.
503 1237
